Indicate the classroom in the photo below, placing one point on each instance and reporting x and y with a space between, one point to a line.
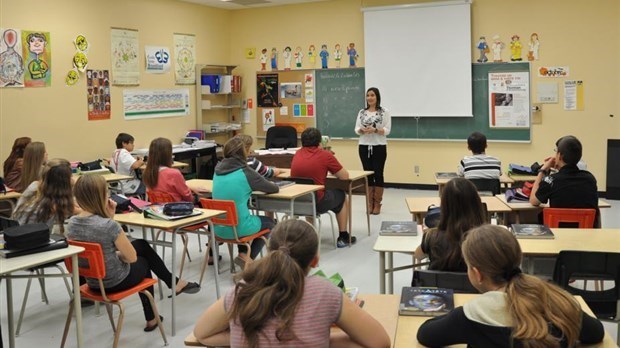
582 35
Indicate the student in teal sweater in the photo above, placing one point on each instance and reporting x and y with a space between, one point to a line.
234 180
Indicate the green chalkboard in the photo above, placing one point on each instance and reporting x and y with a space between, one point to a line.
340 94
341 118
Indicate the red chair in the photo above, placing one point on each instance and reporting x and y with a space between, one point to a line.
583 217
91 265
232 220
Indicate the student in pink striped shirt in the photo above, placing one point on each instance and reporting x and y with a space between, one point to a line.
276 303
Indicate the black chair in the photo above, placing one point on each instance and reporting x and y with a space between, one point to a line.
281 137
487 186
457 281
571 265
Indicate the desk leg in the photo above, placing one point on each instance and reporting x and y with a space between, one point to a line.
350 211
9 309
366 196
382 272
419 218
174 276
77 302
390 265
216 262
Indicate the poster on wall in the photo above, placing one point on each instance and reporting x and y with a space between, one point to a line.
98 88
37 53
151 103
573 95
269 116
290 90
267 90
509 100
157 59
11 59
125 65
185 59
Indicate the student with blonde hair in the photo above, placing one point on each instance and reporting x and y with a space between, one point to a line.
35 157
253 162
515 309
276 303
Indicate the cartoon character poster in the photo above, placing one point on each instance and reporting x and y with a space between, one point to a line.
268 118
98 88
37 53
11 61
267 90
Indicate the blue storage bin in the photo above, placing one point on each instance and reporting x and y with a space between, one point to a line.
213 81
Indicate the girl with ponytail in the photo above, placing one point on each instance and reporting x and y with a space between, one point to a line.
276 303
515 309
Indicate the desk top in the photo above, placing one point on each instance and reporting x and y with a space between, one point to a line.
353 174
408 325
521 177
109 177
27 261
418 205
175 164
10 195
520 205
585 239
289 192
503 179
138 219
397 244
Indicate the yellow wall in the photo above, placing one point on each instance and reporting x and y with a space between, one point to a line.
583 35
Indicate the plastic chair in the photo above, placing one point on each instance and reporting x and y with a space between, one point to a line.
571 265
91 265
583 218
458 281
230 219
281 137
489 187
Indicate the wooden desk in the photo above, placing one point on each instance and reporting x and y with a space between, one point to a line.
384 308
175 164
137 219
278 160
584 239
408 325
519 206
388 245
504 180
11 198
8 266
109 177
521 177
418 206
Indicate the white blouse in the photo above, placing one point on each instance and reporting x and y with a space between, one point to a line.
380 119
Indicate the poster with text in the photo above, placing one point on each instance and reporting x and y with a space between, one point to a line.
98 97
573 95
157 59
185 59
11 58
37 53
267 90
138 104
125 64
509 100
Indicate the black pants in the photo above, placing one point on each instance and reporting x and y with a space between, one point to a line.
258 243
373 158
148 261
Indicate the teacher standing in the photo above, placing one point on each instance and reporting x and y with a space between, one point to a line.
373 125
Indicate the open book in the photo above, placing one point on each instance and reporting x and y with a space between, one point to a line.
426 301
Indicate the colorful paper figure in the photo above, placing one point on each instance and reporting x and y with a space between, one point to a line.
39 74
352 55
287 58
515 49
299 56
534 45
324 56
80 61
312 55
81 43
274 59
337 55
484 49
263 59
497 48
11 62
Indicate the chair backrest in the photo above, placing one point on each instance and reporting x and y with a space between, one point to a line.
159 197
458 281
487 185
229 219
583 218
281 137
90 261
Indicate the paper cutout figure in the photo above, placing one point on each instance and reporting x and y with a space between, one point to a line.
274 59
515 49
534 45
484 49
324 56
352 55
263 59
299 56
287 58
312 55
38 67
81 43
80 61
337 55
72 78
497 48
11 62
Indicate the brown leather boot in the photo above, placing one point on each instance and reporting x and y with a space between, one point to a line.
376 210
370 196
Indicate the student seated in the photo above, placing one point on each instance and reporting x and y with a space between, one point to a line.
13 165
234 180
461 210
479 165
276 303
124 163
35 157
127 263
253 162
515 309
313 162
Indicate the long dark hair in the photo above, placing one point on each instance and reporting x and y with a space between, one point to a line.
273 286
17 152
461 210
378 94
160 155
34 158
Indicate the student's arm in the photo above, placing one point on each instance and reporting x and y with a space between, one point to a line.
387 123
460 170
126 251
419 254
452 328
137 163
334 167
212 326
178 182
342 174
549 163
258 183
592 330
361 327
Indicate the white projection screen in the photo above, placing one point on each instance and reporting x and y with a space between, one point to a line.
419 56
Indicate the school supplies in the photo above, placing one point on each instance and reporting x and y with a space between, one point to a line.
398 228
426 301
446 175
157 212
532 231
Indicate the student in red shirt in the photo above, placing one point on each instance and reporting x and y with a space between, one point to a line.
312 162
